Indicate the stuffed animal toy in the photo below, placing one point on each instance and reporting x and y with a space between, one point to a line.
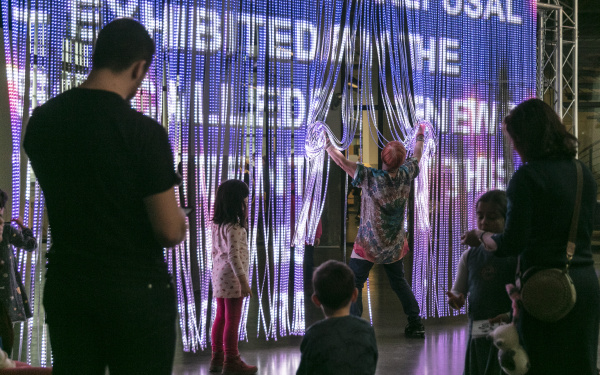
505 337
511 355
5 362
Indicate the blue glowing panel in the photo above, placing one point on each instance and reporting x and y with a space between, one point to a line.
476 60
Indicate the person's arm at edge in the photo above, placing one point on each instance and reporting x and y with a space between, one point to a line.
304 348
475 237
318 233
462 275
418 150
456 296
236 237
166 218
23 238
487 240
520 215
339 159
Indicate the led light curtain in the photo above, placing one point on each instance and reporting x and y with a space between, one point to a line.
477 60
231 83
244 87
459 65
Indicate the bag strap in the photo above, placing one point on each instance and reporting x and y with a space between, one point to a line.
572 232
575 219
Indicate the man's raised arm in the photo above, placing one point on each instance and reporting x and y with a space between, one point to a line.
418 150
339 159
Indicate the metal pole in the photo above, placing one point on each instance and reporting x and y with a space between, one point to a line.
540 55
559 68
576 71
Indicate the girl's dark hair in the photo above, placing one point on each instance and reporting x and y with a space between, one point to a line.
538 133
229 203
498 197
3 198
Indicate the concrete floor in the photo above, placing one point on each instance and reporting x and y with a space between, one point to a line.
440 353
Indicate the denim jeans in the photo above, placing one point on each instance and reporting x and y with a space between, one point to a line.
127 325
395 274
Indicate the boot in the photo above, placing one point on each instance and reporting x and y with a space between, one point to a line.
216 362
415 329
234 365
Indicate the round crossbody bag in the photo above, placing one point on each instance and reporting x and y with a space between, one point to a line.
548 294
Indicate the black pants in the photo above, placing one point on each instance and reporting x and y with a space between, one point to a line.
6 330
127 326
395 274
569 346
309 263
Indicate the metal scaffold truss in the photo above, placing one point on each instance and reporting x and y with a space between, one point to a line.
557 55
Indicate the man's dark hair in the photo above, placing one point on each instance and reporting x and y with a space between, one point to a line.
538 133
3 198
498 197
333 283
229 203
121 43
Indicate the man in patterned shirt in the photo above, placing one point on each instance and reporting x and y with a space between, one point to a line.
381 235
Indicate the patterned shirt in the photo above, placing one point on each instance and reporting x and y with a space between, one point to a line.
230 259
381 232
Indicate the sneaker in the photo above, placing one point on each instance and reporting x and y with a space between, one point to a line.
415 329
216 362
235 366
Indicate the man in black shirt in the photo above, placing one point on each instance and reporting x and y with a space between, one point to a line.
107 174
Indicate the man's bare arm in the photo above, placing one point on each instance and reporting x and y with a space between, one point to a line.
418 150
167 219
339 159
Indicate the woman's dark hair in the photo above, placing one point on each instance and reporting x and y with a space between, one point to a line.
121 43
229 203
538 133
498 197
3 198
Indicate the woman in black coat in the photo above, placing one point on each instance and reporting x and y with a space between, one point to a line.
541 199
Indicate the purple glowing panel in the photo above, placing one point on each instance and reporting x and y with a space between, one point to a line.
237 83
476 60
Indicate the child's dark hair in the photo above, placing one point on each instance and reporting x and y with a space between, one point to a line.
229 203
497 197
3 198
333 283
